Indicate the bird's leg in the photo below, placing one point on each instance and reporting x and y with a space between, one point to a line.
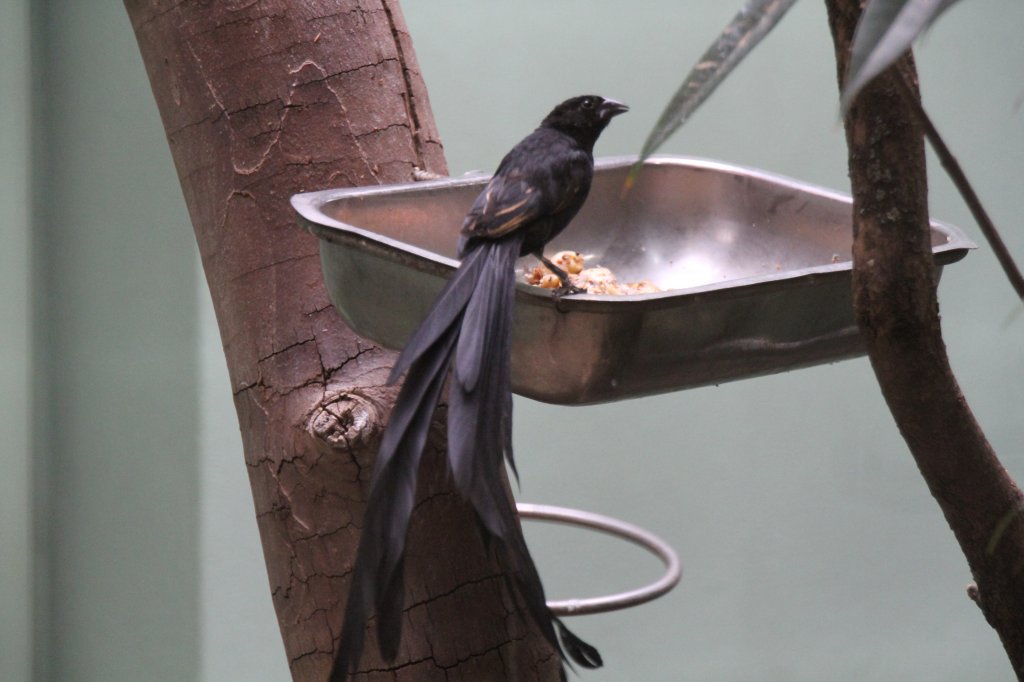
567 288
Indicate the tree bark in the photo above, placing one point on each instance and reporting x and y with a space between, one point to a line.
261 100
894 291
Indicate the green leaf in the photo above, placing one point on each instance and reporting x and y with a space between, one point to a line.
885 31
744 32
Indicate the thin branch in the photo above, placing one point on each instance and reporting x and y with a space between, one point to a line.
959 179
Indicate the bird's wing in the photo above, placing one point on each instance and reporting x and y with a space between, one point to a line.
537 179
508 202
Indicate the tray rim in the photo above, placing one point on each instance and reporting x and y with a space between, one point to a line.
309 206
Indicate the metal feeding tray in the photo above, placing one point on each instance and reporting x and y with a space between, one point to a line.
755 272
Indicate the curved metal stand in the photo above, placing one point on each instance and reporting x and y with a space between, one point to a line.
621 529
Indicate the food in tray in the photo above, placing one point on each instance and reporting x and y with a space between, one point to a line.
595 280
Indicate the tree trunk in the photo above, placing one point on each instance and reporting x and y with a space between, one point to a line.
260 101
894 291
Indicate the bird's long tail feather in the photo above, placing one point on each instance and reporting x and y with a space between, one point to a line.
480 438
377 574
472 321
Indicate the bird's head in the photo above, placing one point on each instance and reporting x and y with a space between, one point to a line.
584 117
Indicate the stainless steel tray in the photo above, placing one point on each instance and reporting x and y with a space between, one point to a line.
755 267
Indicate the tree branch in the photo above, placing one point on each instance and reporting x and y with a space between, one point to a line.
894 290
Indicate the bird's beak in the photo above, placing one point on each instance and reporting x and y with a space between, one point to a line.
611 107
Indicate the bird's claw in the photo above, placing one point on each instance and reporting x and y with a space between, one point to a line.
566 290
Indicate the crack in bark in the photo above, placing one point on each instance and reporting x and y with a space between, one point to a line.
245 387
360 352
497 648
306 654
480 654
261 268
156 15
361 11
242 19
455 590
335 74
285 349
213 117
407 94
378 131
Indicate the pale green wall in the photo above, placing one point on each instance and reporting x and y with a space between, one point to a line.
119 361
15 343
135 525
812 549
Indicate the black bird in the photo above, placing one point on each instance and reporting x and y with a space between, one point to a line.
538 188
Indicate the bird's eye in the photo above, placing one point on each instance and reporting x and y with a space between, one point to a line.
587 103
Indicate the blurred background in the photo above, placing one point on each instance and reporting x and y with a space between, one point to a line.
812 549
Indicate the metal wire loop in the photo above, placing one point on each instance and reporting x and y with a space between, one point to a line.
621 529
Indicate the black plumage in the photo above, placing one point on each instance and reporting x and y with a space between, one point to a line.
538 188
